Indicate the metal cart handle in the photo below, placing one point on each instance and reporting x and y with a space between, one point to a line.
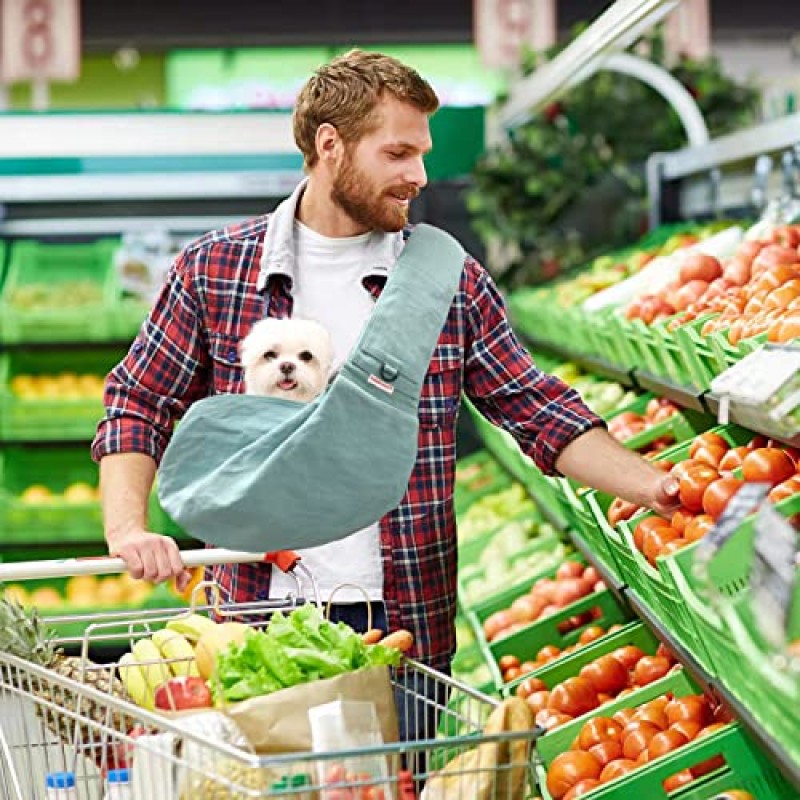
285 560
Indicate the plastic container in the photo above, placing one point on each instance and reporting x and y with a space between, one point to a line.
61 786
82 274
118 785
62 393
744 765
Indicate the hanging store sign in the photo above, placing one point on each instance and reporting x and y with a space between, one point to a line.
504 28
39 40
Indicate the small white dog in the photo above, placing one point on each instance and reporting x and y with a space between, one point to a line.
288 358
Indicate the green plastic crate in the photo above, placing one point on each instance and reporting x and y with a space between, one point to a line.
745 766
129 314
728 354
634 633
59 269
63 413
766 679
526 642
482 476
699 357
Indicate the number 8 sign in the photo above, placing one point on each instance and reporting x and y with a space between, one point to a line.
39 40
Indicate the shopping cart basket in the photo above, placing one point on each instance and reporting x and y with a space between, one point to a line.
56 721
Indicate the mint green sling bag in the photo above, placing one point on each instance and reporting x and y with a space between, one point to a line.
263 474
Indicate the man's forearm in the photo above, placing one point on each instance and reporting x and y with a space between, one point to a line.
600 461
126 480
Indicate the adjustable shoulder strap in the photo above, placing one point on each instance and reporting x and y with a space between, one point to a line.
409 316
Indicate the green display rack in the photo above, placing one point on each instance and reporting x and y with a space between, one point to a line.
67 411
744 765
59 272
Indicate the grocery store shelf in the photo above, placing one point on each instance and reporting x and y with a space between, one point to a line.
781 759
712 402
594 364
686 396
613 583
124 344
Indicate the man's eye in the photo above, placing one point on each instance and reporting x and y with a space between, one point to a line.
306 356
270 355
397 156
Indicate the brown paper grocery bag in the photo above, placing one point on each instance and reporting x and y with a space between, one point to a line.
278 722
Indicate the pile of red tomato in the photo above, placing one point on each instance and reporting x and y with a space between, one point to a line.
601 681
572 581
708 479
609 747
628 424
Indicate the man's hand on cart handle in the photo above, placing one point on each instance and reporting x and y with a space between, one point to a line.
150 556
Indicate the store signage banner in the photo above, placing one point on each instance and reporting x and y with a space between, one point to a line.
39 40
503 28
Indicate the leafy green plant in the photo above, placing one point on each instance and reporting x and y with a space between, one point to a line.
568 184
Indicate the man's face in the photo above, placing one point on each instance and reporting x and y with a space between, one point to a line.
378 176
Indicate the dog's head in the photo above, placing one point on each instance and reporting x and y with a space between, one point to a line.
289 358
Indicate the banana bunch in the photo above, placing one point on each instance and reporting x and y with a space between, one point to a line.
167 653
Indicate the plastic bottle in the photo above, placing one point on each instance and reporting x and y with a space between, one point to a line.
61 786
118 785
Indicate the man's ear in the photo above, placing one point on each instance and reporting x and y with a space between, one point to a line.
328 143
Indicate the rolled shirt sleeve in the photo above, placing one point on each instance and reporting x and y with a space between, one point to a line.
539 410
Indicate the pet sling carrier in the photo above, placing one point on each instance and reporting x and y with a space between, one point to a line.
261 473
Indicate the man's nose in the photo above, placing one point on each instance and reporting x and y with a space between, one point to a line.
417 176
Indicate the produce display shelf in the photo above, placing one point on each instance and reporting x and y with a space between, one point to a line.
686 396
788 766
598 366
613 583
62 344
712 402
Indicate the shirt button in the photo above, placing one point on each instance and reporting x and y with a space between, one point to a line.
232 355
138 347
262 595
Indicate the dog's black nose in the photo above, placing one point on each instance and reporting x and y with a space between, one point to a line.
287 368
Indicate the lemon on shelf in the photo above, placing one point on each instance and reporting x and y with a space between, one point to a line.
46 598
37 495
81 591
17 593
110 592
80 492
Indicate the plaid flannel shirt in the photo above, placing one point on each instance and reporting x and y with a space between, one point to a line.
188 348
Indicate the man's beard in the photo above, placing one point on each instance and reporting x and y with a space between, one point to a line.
372 208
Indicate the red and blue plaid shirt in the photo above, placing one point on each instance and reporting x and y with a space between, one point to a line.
188 349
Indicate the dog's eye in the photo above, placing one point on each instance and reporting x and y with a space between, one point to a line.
270 355
306 355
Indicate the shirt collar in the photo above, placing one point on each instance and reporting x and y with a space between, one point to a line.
279 257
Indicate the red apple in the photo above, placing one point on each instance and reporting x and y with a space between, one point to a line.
178 694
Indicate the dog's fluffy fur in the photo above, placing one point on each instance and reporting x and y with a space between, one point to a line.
288 358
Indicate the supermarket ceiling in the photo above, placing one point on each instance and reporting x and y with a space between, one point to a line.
163 24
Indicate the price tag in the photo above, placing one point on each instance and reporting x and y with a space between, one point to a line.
740 506
39 40
773 575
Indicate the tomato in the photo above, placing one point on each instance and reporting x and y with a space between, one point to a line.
711 455
569 769
647 525
698 528
680 519
637 737
568 590
664 651
570 569
528 666
769 465
538 700
788 488
548 653
592 575
691 708
623 716
699 266
508 662
665 742
616 769
649 669
497 623
707 766
711 729
733 459
527 608
511 674
598 730
687 728
707 439
678 780
628 655
652 713
574 696
581 788
529 686
718 494
606 674
655 541
693 485
591 634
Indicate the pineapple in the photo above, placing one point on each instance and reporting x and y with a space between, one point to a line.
23 634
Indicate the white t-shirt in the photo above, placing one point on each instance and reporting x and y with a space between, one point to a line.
328 288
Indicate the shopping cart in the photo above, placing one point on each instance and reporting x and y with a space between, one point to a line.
58 721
